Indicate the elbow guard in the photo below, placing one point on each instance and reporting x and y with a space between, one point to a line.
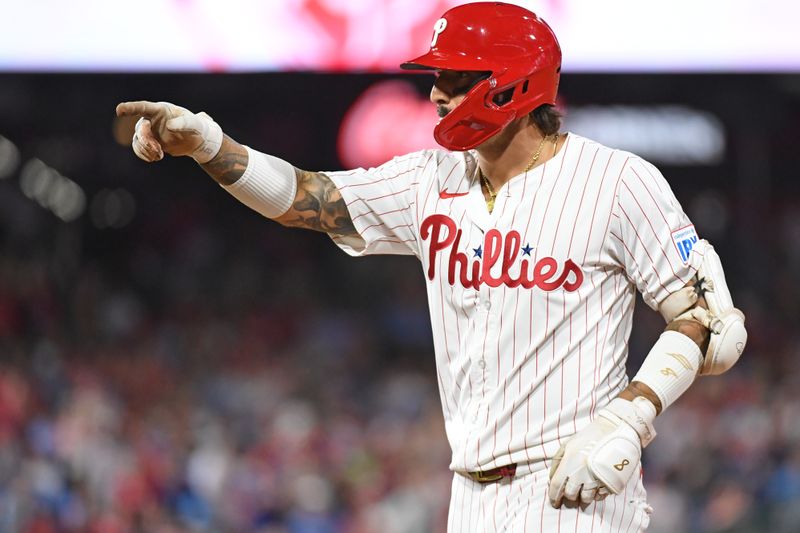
723 320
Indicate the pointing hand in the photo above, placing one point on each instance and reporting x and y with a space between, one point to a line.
164 127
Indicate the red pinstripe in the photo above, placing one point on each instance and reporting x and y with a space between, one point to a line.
633 514
463 311
427 194
430 188
482 514
381 180
381 197
655 233
452 296
580 205
547 207
626 499
564 309
638 269
655 202
395 240
471 505
647 167
530 313
558 522
566 198
379 224
376 214
595 372
545 501
594 211
644 247
527 507
494 509
547 306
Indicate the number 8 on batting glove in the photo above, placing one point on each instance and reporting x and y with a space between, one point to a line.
600 459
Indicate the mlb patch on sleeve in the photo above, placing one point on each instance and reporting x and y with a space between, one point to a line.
684 240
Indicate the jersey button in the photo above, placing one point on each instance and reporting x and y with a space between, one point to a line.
482 364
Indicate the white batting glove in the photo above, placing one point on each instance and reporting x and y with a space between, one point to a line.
600 459
165 127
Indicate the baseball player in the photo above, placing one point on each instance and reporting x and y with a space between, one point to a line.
532 242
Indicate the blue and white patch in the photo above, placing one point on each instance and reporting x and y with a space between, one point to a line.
684 240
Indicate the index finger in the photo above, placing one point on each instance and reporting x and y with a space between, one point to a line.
141 108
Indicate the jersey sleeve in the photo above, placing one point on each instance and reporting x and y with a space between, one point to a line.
381 203
654 240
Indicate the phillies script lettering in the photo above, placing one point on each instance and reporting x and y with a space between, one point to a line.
443 234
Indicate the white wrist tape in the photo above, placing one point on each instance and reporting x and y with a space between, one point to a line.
204 126
268 185
638 413
670 367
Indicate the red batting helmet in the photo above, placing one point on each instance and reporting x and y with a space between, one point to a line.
515 46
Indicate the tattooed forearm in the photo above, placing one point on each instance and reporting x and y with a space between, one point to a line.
229 165
637 388
318 205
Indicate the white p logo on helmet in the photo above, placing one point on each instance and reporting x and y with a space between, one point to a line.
438 28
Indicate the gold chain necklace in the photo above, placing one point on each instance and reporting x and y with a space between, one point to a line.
534 159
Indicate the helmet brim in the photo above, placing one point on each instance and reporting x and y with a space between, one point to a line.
436 60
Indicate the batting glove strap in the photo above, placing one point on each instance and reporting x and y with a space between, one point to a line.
202 125
639 414
615 458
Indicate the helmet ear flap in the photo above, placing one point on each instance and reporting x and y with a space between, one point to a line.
473 120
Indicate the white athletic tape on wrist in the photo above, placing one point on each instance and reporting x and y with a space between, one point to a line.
212 139
670 367
638 413
268 185
202 125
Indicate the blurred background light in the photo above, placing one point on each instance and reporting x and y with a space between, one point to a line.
112 208
709 210
9 157
675 135
337 35
387 119
51 190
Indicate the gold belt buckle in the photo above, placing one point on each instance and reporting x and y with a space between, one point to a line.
495 474
483 477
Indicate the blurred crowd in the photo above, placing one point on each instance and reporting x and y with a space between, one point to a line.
240 378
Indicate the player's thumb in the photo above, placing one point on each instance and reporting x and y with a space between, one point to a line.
556 460
186 123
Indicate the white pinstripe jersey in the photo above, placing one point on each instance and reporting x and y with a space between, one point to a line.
531 305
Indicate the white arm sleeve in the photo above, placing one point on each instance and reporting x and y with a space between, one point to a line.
381 202
268 184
